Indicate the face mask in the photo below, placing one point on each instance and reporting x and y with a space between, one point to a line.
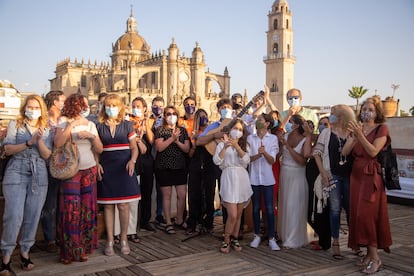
333 118
189 109
33 114
294 102
321 127
236 106
137 112
172 120
275 123
236 134
85 113
203 121
288 127
157 110
259 125
367 115
112 112
226 113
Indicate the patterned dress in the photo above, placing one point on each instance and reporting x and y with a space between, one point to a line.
117 186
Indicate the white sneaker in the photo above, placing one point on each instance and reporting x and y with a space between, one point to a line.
273 245
255 242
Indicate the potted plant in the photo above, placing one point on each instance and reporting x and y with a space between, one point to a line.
389 105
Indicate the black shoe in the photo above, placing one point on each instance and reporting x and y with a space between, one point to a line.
160 219
148 226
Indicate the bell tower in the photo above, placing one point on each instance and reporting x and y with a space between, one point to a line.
279 58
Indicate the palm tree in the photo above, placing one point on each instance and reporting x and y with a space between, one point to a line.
356 92
412 110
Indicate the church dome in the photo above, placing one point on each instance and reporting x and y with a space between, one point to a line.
131 41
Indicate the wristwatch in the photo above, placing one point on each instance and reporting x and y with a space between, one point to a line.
27 144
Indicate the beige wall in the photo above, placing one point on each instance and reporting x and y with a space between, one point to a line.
402 132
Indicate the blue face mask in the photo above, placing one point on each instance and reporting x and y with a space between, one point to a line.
85 113
288 127
203 121
190 109
112 112
137 112
226 113
333 118
294 101
321 127
157 110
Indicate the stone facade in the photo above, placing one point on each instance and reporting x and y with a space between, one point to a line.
135 71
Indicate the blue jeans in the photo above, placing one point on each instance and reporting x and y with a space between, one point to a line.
338 198
49 214
268 197
24 197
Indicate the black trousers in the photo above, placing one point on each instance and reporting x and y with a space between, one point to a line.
146 184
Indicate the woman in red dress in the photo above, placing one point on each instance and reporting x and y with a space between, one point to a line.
369 224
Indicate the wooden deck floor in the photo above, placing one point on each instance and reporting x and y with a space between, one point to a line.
162 254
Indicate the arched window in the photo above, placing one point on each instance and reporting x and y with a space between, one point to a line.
275 24
275 48
83 81
287 23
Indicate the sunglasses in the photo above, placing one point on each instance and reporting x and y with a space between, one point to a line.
170 114
293 98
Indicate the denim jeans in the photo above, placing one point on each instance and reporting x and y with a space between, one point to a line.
24 188
338 198
50 213
268 197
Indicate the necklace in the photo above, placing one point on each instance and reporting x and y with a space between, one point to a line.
342 158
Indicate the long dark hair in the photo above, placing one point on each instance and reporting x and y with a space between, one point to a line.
242 140
299 120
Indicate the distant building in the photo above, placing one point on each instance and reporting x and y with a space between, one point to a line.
135 71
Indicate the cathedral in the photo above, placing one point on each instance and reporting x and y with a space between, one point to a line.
135 71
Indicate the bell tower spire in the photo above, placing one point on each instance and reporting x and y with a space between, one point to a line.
131 23
279 57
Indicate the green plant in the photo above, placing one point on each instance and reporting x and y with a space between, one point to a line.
356 92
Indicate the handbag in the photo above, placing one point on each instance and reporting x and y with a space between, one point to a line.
389 167
64 161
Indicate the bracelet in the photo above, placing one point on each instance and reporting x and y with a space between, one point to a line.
27 144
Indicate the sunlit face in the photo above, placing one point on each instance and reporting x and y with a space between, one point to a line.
138 104
368 107
32 105
59 103
159 104
238 126
227 106
189 102
111 104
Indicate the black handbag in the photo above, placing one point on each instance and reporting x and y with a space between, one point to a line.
389 167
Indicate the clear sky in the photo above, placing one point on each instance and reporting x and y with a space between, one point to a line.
338 44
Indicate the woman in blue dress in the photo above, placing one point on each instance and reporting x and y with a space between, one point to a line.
119 184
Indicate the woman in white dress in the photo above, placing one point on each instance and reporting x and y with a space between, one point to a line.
235 191
293 195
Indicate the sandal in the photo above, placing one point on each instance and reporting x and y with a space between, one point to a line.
363 262
134 238
169 229
5 269
236 245
373 267
358 253
225 247
336 256
26 264
109 249
125 248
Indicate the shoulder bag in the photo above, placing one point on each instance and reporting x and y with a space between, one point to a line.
389 167
64 161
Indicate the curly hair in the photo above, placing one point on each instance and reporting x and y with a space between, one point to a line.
43 119
74 105
115 100
380 118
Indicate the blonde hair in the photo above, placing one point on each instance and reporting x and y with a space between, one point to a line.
43 120
113 99
344 113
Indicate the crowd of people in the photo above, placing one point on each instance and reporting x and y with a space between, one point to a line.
298 172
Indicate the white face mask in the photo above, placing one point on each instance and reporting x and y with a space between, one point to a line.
85 113
172 119
33 114
137 112
294 101
236 134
